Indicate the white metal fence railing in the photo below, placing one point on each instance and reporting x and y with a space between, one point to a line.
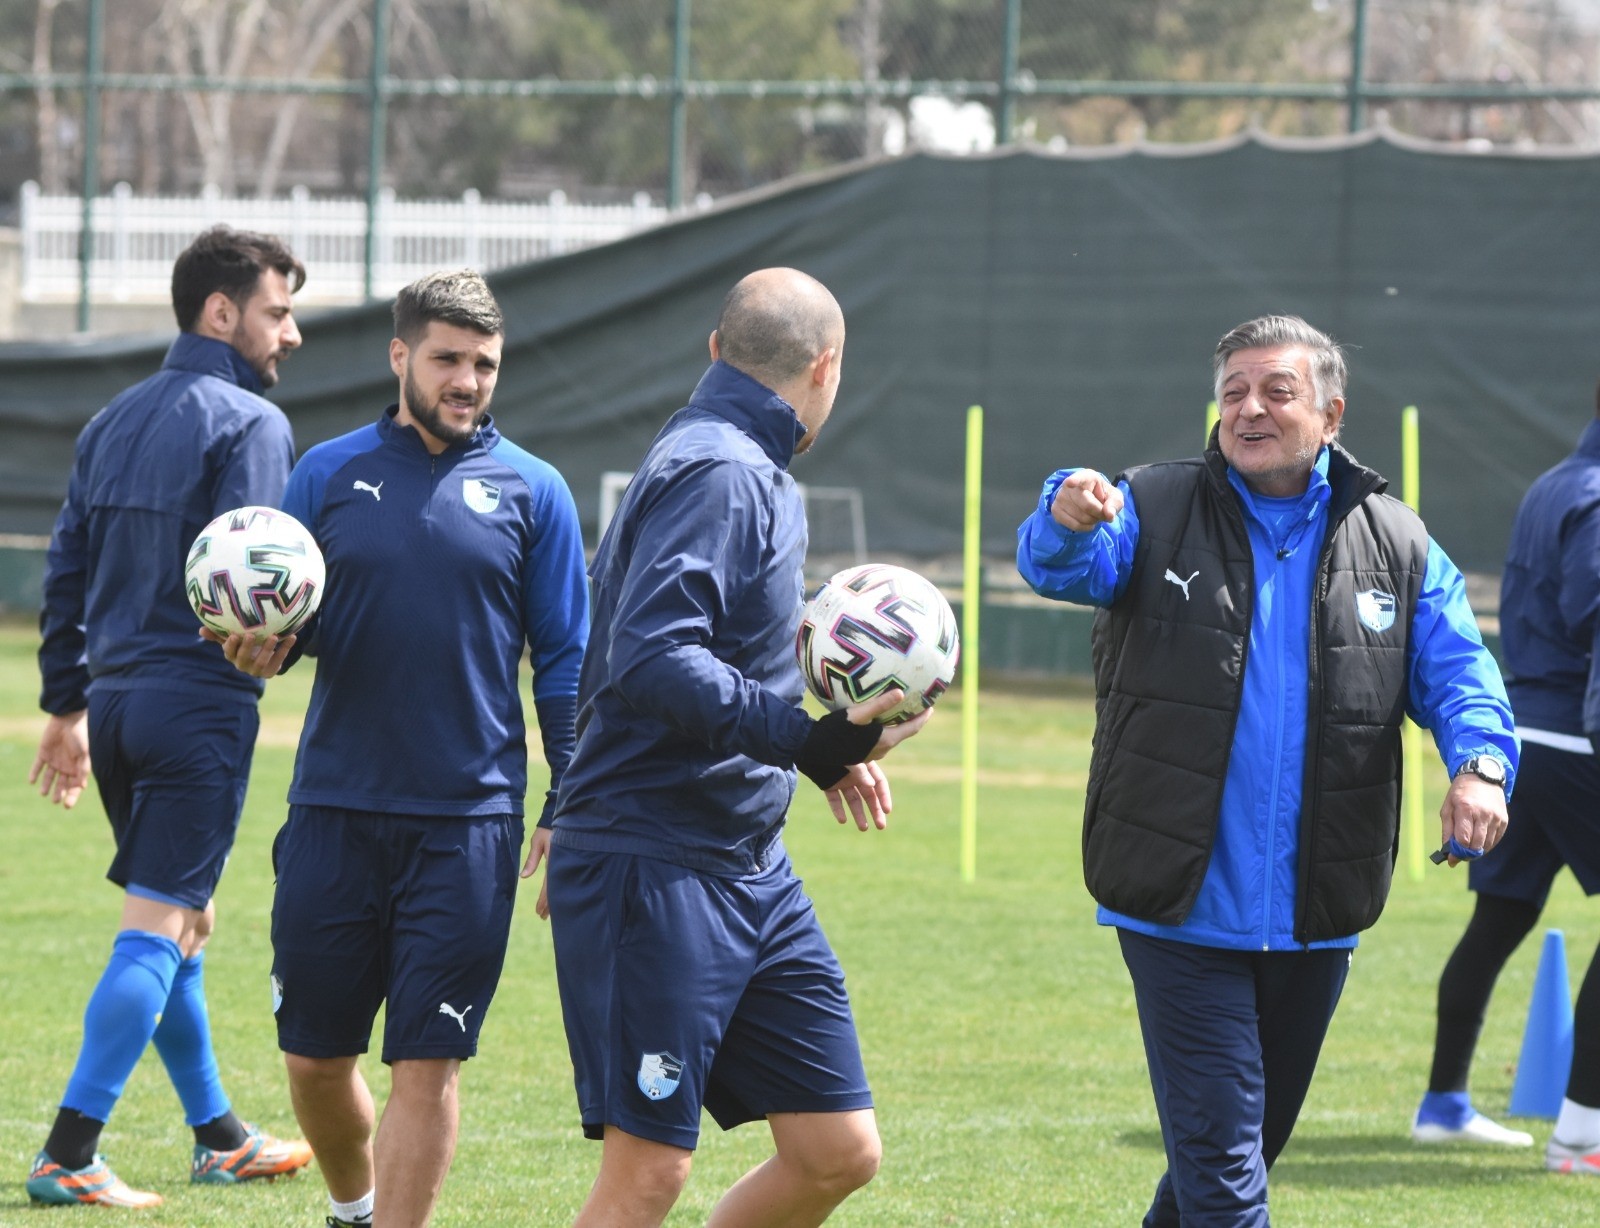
136 238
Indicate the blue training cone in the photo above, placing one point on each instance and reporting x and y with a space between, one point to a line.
1547 1040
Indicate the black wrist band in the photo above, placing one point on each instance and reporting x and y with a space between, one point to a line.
833 745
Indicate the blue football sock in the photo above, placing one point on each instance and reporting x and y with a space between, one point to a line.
121 1017
184 1042
1452 1110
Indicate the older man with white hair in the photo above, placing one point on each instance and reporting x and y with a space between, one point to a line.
1268 617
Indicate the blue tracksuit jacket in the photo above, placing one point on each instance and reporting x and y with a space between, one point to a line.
151 470
1553 563
690 719
1247 900
440 570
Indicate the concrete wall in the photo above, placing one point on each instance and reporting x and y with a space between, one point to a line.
53 321
20 321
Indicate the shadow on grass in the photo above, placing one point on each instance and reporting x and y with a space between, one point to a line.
1385 1159
1378 1160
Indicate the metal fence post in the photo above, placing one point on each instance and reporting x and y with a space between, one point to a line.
1358 67
679 137
91 153
378 100
1008 71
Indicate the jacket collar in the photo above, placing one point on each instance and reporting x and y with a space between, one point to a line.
1318 488
1350 480
752 407
207 356
389 430
1589 441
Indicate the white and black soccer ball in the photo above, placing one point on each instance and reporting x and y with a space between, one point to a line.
874 627
254 571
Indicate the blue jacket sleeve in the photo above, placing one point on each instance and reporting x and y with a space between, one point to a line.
63 647
1580 603
1456 690
257 466
697 550
1591 695
1085 568
555 603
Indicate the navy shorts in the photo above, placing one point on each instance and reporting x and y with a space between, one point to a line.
172 768
681 990
1555 822
409 910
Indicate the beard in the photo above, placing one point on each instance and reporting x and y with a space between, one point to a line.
1296 468
264 362
431 420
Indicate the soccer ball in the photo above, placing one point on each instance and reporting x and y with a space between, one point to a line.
875 627
254 571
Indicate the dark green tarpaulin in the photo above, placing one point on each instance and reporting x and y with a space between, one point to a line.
1077 297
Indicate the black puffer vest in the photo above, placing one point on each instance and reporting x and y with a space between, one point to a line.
1168 680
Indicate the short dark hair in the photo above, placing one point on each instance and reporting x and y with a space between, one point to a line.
772 332
458 296
231 261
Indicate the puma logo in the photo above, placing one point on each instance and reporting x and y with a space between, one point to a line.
1183 584
374 491
444 1007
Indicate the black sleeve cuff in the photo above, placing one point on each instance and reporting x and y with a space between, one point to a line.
832 746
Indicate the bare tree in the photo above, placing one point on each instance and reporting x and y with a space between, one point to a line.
212 38
314 28
1531 42
52 175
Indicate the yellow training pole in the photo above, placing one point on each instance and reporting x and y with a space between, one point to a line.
971 601
1416 837
1211 419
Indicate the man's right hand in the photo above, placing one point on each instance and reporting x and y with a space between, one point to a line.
61 768
1085 499
862 793
261 658
844 741
868 710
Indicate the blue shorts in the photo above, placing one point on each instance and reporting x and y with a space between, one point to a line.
681 990
172 768
1555 822
404 909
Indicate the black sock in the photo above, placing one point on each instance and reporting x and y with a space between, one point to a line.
221 1133
1497 926
1583 1085
73 1139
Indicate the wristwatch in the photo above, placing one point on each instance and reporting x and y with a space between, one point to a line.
1485 767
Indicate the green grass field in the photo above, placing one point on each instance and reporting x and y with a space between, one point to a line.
997 1018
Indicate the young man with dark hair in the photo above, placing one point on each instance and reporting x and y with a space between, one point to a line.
450 552
124 670
231 263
